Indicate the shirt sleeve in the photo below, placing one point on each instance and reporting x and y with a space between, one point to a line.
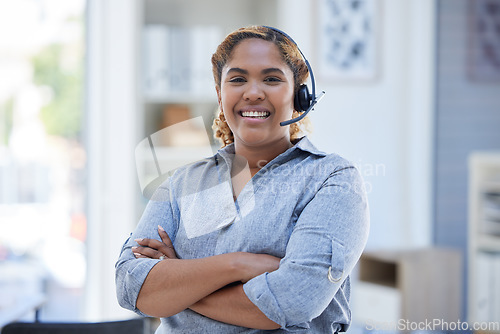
326 242
130 272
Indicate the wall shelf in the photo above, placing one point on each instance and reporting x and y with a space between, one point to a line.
484 237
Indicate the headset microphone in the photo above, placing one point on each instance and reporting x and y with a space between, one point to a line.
311 107
304 101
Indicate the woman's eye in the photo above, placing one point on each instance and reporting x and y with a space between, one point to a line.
237 80
272 79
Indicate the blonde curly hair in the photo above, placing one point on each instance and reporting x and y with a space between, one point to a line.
291 55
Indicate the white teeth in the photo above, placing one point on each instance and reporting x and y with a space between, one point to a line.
256 114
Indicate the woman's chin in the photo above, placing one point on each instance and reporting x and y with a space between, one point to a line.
259 139
254 141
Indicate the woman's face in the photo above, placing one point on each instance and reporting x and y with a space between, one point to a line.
256 94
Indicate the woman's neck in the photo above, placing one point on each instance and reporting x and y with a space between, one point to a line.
258 157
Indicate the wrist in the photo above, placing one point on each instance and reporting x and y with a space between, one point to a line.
239 265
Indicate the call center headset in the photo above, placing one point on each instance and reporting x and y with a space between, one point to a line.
303 101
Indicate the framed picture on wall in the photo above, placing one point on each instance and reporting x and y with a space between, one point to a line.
347 33
484 40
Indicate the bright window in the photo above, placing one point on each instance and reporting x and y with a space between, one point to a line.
42 158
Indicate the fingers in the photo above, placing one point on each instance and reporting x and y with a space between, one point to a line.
164 236
149 248
146 252
152 248
168 246
151 243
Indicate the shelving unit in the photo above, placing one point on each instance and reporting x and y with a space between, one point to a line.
413 285
196 21
177 39
484 237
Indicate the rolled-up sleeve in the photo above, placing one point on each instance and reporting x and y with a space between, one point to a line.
326 242
130 272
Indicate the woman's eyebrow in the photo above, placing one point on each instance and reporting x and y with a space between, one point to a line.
271 70
264 71
237 70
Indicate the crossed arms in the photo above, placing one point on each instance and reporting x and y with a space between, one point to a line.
202 284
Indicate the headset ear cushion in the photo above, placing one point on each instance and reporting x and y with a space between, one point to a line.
303 99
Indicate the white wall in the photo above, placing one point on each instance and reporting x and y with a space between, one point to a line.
384 126
111 138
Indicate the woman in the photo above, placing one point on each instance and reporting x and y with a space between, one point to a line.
261 236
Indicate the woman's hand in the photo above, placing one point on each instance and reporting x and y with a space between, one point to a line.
155 249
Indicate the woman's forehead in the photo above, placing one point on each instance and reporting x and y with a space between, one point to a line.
258 52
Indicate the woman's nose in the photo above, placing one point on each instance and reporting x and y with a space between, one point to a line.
254 92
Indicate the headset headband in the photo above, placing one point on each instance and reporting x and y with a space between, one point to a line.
313 98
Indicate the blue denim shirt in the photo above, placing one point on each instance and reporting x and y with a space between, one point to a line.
306 207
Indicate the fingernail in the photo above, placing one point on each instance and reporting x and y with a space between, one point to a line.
134 248
161 228
138 240
137 254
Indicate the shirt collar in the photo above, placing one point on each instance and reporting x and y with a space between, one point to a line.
305 145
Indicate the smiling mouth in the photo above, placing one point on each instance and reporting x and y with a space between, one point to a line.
255 114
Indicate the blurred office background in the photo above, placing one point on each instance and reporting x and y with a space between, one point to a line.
413 99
